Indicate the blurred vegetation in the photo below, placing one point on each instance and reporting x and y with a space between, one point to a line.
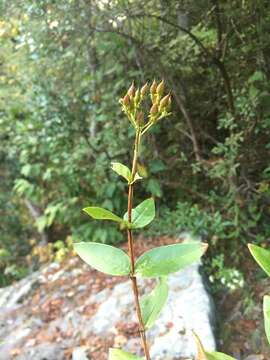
63 67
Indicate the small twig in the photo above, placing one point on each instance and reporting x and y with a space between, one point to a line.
219 28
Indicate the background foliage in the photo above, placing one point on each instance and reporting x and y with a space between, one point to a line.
63 67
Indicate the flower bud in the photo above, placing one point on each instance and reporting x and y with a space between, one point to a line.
153 87
131 91
140 119
144 89
126 100
169 104
160 87
164 101
154 109
137 96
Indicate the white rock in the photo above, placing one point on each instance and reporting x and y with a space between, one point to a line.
79 354
188 309
12 295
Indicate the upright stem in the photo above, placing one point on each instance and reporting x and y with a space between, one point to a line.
131 248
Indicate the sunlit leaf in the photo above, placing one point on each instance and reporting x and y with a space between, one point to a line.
122 170
205 355
143 214
262 256
164 260
101 214
26 169
217 356
117 354
266 313
152 304
105 258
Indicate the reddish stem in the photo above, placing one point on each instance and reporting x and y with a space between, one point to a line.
131 249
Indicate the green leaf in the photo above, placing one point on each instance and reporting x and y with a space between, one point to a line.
101 214
117 354
153 303
204 355
26 169
154 187
156 166
164 260
122 170
262 256
256 76
266 313
217 356
143 214
125 172
105 258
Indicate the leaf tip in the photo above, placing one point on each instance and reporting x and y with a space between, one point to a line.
205 247
250 246
200 350
152 198
75 245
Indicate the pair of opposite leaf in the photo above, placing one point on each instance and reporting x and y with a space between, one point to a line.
157 262
141 216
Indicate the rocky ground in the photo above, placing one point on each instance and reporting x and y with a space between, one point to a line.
70 311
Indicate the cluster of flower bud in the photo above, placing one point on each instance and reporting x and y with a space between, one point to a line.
131 103
160 104
132 100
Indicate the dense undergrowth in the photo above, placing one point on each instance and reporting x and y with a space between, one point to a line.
64 64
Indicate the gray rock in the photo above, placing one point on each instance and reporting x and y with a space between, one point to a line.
188 309
44 351
14 294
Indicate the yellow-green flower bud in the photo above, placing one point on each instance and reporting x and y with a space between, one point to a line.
137 96
126 100
144 89
131 91
169 104
164 101
140 119
153 87
160 87
154 109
